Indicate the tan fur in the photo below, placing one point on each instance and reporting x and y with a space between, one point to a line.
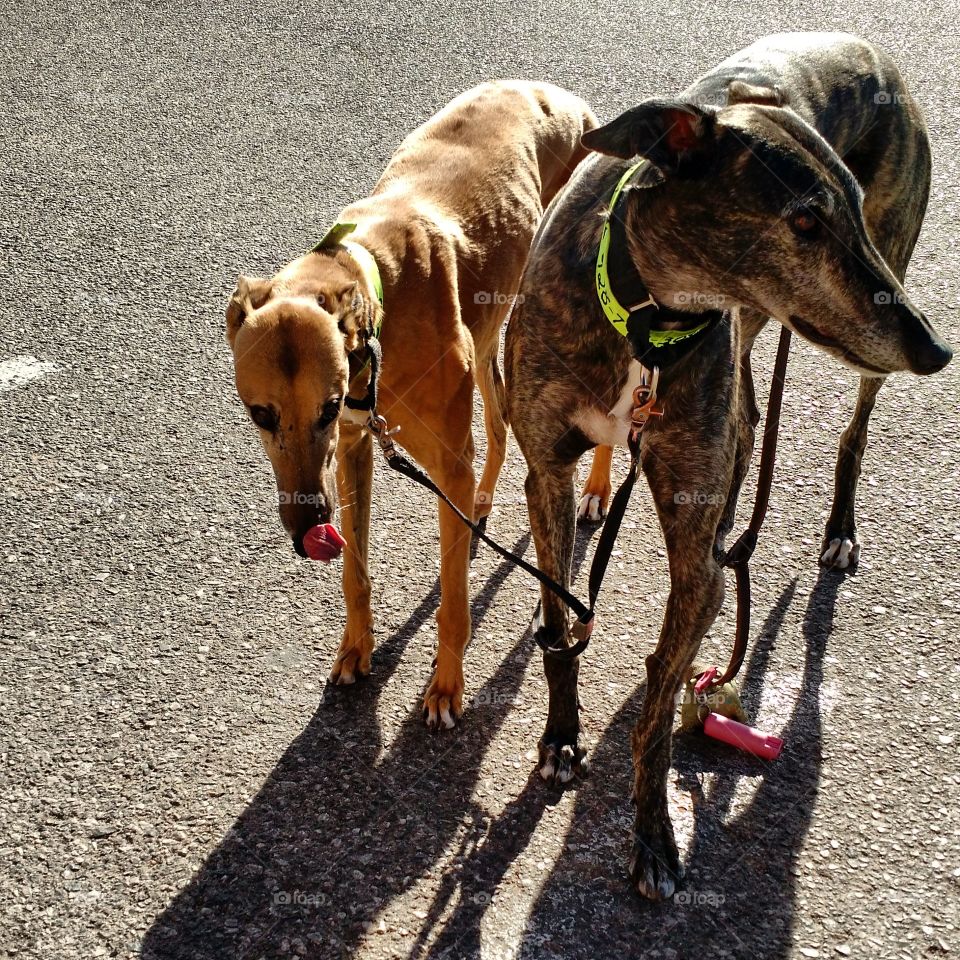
450 225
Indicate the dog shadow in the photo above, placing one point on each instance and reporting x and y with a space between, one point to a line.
338 831
742 857
736 894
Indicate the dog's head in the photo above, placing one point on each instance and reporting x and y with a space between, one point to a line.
751 206
292 338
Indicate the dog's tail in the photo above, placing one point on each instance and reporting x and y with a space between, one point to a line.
499 389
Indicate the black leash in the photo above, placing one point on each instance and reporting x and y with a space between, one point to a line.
737 556
408 468
583 627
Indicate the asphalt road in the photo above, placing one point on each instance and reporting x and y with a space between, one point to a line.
177 781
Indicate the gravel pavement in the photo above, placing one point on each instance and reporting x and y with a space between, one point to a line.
177 781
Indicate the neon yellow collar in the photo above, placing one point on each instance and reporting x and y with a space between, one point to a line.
616 313
368 264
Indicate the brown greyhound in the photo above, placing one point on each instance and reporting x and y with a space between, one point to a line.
449 226
740 190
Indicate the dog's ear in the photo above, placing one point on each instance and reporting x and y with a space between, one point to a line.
666 132
251 294
349 312
740 92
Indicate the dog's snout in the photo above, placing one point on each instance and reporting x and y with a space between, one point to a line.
930 355
927 352
299 513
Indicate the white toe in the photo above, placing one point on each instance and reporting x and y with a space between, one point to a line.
841 553
590 508
830 552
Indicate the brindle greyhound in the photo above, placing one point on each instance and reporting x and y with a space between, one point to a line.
744 191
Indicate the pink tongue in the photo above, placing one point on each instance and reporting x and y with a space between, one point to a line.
323 542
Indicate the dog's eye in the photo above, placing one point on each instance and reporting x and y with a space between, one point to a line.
264 418
331 410
804 222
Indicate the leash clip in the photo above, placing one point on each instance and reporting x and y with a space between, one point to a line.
378 427
583 630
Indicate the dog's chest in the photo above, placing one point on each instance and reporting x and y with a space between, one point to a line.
611 428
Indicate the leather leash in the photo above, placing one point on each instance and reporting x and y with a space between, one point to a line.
738 556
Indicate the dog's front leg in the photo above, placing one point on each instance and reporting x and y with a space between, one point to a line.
354 480
552 508
689 493
443 701
840 548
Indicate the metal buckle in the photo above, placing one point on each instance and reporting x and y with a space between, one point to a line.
645 400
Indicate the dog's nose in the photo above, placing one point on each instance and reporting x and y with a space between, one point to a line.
931 356
298 546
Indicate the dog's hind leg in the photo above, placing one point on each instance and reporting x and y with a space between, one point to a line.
493 393
596 491
894 222
354 480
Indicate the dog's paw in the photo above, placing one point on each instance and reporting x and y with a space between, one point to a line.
443 705
840 553
593 507
655 869
353 658
561 759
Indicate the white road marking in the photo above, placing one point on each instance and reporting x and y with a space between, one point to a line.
19 371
